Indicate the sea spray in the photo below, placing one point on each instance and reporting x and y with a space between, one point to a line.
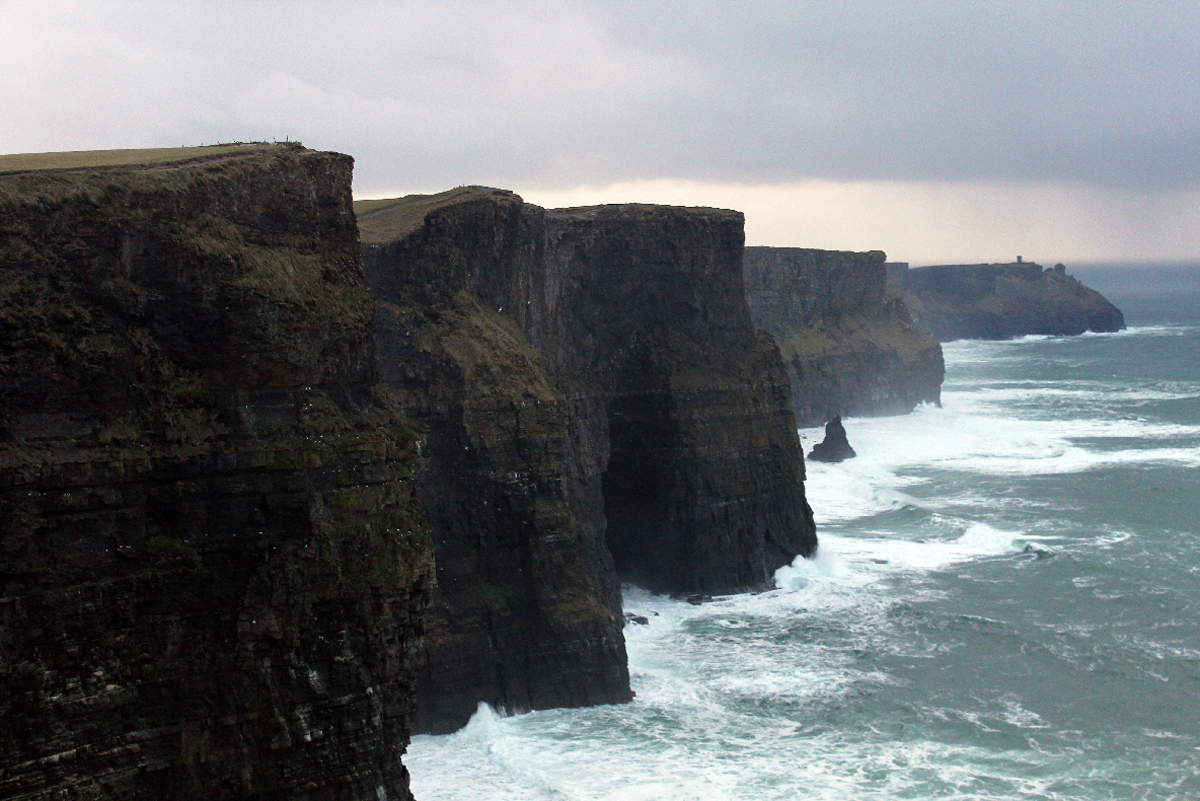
1002 607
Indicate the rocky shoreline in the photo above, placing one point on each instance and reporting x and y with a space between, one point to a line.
285 478
613 416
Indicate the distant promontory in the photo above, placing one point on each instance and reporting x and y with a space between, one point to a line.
1001 301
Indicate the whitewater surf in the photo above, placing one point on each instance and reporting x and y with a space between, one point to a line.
1005 604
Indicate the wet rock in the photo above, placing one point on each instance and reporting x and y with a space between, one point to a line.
835 447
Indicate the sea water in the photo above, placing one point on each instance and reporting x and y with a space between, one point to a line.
1005 604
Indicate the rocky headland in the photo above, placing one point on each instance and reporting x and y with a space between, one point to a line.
1001 301
598 406
213 568
848 342
234 438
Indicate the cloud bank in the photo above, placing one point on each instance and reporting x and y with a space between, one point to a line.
1089 105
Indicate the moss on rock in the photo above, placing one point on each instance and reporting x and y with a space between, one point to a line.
214 577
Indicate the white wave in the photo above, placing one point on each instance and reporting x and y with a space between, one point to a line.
695 730
1149 331
474 764
972 435
1016 715
1001 347
880 555
745 697
1086 394
746 759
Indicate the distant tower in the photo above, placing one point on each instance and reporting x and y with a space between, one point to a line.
1018 259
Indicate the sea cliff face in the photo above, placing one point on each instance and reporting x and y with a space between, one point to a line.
1001 301
645 309
849 344
612 404
213 569
527 611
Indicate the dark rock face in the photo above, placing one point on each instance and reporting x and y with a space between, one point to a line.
212 566
1002 301
527 613
848 343
605 375
703 488
835 447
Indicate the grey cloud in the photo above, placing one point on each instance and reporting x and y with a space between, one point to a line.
557 94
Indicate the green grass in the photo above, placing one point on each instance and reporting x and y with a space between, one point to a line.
362 207
390 219
850 334
81 159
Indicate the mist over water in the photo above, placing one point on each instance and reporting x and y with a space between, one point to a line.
1005 604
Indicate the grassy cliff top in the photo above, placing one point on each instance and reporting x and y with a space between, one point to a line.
85 159
390 219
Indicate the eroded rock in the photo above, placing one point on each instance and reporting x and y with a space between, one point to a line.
835 447
605 358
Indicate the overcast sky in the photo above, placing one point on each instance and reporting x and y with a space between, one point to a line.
937 131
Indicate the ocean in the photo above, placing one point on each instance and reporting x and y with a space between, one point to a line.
1005 604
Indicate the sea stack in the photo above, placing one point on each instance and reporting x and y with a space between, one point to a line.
835 447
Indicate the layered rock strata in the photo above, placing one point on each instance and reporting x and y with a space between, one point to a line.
1002 301
605 402
527 610
212 566
848 343
645 310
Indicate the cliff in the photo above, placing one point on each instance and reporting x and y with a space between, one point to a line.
1001 301
527 611
644 308
212 566
608 410
848 343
